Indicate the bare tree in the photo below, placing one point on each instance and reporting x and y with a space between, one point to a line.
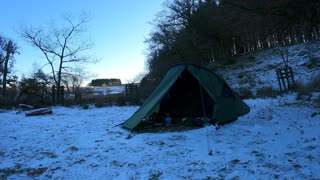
284 53
75 78
8 50
62 46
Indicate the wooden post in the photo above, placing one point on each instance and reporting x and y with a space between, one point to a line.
53 95
135 88
284 76
55 98
131 88
278 71
126 89
282 79
62 95
292 78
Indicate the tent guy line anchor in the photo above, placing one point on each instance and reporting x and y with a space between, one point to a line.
301 131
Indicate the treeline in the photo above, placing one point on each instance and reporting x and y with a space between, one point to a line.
105 82
214 32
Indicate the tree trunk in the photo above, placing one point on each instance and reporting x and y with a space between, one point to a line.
5 70
59 81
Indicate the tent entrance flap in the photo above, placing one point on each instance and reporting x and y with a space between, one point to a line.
184 99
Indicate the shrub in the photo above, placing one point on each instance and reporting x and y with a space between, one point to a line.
303 90
231 60
69 102
8 102
120 101
251 58
315 83
85 106
240 75
316 102
308 88
245 93
248 80
267 92
99 104
33 92
313 63
134 99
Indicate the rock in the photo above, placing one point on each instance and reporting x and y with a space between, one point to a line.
314 114
37 172
302 53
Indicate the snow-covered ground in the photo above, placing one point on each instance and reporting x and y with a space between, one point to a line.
258 69
278 139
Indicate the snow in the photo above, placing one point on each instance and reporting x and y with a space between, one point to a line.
277 139
258 69
100 90
105 90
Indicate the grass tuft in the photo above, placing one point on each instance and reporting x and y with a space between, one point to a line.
267 92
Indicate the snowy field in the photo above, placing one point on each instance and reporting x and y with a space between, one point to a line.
105 90
278 139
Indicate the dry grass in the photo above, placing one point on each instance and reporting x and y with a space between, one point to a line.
304 90
245 93
99 100
267 92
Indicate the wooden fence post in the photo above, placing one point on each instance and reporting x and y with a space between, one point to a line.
285 79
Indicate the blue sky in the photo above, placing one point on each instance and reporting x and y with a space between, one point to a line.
117 28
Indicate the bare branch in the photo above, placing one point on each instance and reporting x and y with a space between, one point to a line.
63 44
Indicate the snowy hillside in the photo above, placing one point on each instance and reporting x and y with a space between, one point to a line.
257 70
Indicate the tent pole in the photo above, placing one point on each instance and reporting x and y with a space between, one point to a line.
205 120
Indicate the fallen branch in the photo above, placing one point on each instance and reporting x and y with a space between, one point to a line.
40 112
25 106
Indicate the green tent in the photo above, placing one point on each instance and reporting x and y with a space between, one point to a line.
188 90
